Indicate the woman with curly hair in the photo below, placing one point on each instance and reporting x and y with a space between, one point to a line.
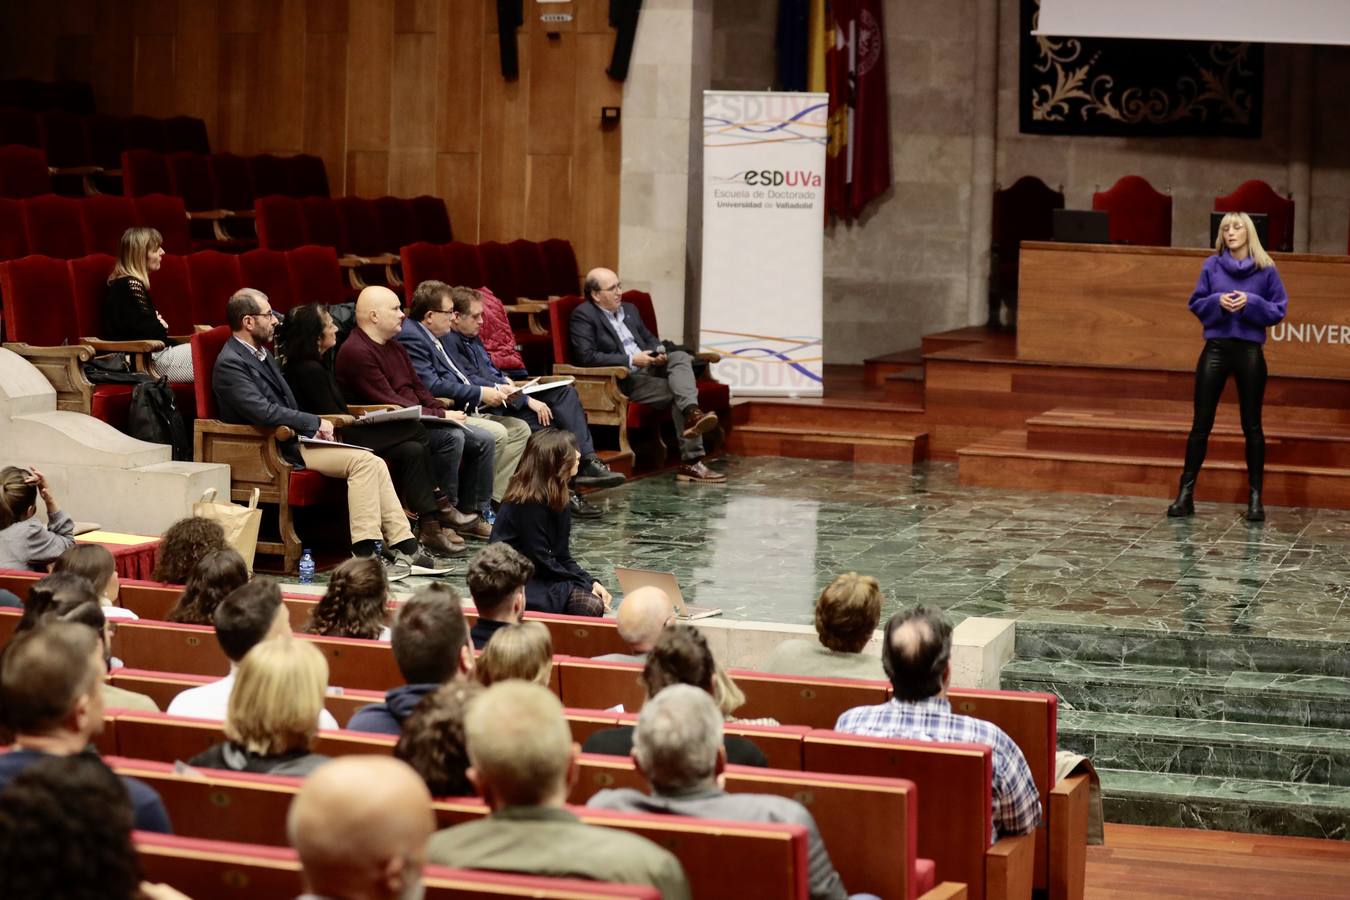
354 605
211 581
433 741
183 545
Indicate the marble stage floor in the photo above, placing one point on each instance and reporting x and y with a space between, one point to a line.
762 546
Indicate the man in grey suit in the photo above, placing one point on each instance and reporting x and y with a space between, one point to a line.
605 331
250 390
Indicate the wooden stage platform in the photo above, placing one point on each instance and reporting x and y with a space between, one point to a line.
965 396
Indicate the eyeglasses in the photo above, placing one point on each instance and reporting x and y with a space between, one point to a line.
270 314
617 286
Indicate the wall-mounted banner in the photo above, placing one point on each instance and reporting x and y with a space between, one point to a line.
763 239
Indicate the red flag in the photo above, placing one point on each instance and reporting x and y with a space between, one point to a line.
858 167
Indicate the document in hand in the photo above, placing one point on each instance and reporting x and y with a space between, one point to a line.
406 414
535 386
322 443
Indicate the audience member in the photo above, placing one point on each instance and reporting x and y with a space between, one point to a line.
354 606
428 321
605 331
65 831
51 704
96 563
679 656
360 826
847 613
523 763
535 519
523 651
431 647
273 715
497 578
433 742
678 749
729 697
641 618
373 367
916 656
182 547
25 543
211 581
456 332
405 447
250 390
128 312
249 615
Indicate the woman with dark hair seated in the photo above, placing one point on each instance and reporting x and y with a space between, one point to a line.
354 606
433 739
96 563
535 519
307 363
211 581
182 547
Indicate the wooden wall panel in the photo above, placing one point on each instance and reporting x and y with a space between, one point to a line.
197 64
370 55
154 71
548 196
553 92
457 182
501 202
238 83
461 43
325 131
281 58
598 156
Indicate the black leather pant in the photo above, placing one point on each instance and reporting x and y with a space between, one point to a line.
1247 364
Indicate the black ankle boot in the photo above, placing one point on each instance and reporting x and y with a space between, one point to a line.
1256 512
1184 505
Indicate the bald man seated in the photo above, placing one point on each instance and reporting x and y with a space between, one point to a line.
523 762
605 331
360 825
372 367
641 618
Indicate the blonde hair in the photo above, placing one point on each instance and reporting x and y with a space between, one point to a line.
519 741
726 692
1254 248
523 651
278 693
848 611
17 495
132 252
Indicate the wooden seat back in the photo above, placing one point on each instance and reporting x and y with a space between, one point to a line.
799 700
162 687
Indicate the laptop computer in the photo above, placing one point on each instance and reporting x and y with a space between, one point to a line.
1081 226
1260 220
632 579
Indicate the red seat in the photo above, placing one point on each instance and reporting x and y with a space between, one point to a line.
146 133
561 263
20 126
322 224
54 226
500 275
145 172
190 176
269 175
89 285
397 223
106 138
186 134
463 267
1256 196
234 186
306 176
422 261
1138 214
63 140
498 270
23 172
167 215
531 274
215 276
267 271
105 218
13 235
433 221
171 288
281 224
361 224
316 276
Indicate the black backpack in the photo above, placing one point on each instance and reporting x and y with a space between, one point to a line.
154 417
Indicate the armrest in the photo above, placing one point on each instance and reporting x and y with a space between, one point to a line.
75 352
524 306
1009 868
215 426
709 356
351 262
357 409
75 170
947 890
209 214
1067 826
590 371
243 214
101 346
385 259
337 420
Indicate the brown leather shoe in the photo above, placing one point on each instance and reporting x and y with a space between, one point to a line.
439 542
477 529
449 517
698 472
697 422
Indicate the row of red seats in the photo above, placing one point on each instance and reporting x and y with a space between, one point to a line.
72 139
70 227
353 226
520 270
28 93
222 180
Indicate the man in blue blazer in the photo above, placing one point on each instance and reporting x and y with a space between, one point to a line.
250 390
605 331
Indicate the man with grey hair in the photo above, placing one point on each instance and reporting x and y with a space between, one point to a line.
678 748
642 616
523 762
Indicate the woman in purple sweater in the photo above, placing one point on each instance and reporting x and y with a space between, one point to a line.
1238 297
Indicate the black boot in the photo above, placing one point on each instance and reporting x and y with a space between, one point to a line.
1256 512
1184 505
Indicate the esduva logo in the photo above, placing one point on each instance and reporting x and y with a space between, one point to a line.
776 178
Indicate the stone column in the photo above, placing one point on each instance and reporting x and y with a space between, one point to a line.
660 213
1300 143
984 122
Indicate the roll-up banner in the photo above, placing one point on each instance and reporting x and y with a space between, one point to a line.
763 239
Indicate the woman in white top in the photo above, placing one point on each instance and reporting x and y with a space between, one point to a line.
96 563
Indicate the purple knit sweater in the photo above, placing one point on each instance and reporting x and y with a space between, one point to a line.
1266 300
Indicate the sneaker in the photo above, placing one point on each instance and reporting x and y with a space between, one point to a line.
593 473
581 509
422 564
394 568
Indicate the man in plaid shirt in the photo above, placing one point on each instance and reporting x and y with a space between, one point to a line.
917 659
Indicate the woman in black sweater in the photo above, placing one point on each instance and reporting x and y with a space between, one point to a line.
307 348
535 519
128 312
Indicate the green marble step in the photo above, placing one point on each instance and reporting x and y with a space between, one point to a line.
1320 701
1195 650
1225 804
1245 750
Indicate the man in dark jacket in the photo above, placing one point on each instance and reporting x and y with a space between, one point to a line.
431 647
605 331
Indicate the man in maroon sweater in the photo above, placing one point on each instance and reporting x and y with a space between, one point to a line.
373 367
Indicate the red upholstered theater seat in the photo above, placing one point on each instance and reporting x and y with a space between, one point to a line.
463 268
147 133
166 214
145 172
266 270
105 218
361 224
106 138
422 261
560 260
306 176
397 223
190 175
89 284
531 274
171 288
23 172
498 270
63 140
433 221
13 235
322 224
186 134
1139 214
1256 196
316 276
206 346
281 224
20 126
54 226
234 186
215 276
269 175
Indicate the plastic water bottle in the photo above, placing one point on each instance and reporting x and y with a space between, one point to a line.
379 549
306 568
